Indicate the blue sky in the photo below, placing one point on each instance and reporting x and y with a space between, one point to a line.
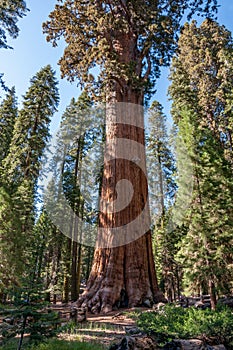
31 52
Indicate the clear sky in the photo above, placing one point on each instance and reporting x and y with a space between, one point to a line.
31 52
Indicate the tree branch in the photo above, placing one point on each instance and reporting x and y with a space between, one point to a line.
148 71
116 79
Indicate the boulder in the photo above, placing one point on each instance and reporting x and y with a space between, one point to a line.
226 301
131 330
144 342
191 344
159 306
135 343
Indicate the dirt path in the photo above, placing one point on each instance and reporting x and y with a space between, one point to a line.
104 329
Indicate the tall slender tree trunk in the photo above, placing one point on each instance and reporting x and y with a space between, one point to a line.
79 261
213 299
66 280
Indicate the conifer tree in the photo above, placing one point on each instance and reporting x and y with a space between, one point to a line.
8 115
160 159
76 137
202 76
20 168
128 40
162 189
203 119
10 12
26 149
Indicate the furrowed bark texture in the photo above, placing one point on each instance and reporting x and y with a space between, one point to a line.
123 272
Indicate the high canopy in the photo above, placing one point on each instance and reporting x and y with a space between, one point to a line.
128 39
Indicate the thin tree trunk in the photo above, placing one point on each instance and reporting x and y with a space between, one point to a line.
74 261
79 261
22 332
89 262
213 299
74 292
66 280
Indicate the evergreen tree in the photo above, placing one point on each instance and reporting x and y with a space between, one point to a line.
128 40
76 139
71 183
161 167
31 128
203 119
20 169
205 251
202 76
8 115
10 12
162 189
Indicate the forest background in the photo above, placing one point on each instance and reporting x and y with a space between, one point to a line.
58 264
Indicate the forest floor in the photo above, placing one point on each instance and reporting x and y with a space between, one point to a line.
104 329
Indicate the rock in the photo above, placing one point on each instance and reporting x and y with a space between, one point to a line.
226 301
135 343
191 344
199 305
9 320
147 303
144 342
158 306
132 330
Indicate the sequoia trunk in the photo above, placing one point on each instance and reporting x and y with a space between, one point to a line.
123 272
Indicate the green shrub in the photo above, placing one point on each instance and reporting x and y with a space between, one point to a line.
55 344
176 322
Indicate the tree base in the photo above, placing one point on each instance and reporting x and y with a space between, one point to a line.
122 277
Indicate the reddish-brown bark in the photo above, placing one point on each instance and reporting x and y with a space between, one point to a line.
123 271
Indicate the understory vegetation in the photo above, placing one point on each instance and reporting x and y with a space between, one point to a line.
173 322
55 344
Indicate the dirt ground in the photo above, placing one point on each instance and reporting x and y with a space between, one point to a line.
104 329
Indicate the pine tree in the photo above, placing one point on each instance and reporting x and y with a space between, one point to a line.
205 252
161 167
20 168
72 167
76 176
10 12
162 189
203 119
128 40
8 115
26 149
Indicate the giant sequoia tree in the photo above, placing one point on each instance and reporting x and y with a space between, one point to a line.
128 40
